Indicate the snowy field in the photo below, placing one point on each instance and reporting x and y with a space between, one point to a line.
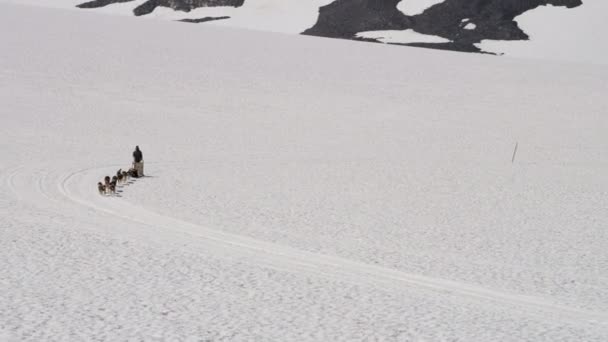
297 189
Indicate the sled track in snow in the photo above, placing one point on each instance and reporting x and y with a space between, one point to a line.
291 258
77 187
9 178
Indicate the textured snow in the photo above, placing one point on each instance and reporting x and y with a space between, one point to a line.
414 7
470 26
558 33
402 36
299 189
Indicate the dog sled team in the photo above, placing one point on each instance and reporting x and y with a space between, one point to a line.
108 185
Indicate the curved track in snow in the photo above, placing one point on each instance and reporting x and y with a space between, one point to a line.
56 188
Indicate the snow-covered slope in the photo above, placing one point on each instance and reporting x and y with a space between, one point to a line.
572 31
298 189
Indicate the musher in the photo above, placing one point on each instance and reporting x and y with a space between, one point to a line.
138 162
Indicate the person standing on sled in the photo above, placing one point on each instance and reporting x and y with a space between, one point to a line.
138 162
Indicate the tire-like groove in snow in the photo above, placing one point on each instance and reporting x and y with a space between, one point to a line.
294 259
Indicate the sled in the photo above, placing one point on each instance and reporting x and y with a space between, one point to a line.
139 169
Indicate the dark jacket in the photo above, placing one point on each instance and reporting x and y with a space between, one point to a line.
137 155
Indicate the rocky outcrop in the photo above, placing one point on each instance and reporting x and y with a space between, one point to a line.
202 20
100 3
178 5
493 20
345 18
183 5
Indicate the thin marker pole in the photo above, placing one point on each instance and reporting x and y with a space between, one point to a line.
514 152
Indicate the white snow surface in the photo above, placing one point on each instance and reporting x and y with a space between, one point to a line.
297 189
470 26
414 7
557 33
402 36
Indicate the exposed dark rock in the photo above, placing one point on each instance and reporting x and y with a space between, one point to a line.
446 46
346 18
202 20
100 3
178 5
493 20
183 5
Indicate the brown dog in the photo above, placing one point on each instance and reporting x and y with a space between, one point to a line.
113 187
101 188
